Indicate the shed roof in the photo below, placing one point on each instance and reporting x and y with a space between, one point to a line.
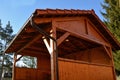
27 32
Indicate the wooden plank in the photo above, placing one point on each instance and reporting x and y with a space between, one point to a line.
33 53
14 67
49 47
86 26
95 28
100 73
28 44
108 53
62 38
113 67
54 54
19 58
83 62
38 20
83 36
72 71
42 20
77 71
36 48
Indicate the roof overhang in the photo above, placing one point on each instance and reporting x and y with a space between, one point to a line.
28 33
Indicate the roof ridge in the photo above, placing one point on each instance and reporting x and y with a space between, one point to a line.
57 11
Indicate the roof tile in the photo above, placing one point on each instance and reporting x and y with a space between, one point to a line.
62 11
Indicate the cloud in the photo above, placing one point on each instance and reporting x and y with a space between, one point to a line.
19 3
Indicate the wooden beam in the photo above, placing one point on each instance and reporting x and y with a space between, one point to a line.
33 53
36 48
42 20
106 50
49 47
19 58
28 44
86 26
62 38
38 20
83 36
113 67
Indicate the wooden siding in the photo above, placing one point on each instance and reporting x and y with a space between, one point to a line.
31 74
82 26
95 55
75 70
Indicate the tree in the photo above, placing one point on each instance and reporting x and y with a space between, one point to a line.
112 20
5 37
31 62
112 16
27 62
1 48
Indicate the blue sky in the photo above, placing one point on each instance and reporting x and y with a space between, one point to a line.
18 11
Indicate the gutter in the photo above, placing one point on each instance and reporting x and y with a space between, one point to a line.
48 36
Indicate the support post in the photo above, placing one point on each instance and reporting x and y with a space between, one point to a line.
54 54
53 63
14 67
52 47
113 68
53 59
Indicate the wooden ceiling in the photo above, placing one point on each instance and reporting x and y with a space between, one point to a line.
30 42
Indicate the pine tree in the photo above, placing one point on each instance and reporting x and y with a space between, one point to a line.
112 16
1 48
112 20
5 37
30 61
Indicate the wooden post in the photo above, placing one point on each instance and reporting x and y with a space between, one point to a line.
14 67
51 46
113 68
52 51
53 62
54 54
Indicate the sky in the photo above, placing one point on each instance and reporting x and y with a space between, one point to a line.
18 11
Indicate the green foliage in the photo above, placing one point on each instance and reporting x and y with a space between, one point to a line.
112 20
117 60
5 37
112 16
30 61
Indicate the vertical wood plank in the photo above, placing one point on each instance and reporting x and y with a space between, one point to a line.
86 26
54 69
113 68
14 67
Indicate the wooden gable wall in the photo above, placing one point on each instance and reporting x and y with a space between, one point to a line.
82 26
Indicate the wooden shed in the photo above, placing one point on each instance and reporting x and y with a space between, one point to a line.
68 44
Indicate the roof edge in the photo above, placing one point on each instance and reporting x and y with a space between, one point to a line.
21 29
